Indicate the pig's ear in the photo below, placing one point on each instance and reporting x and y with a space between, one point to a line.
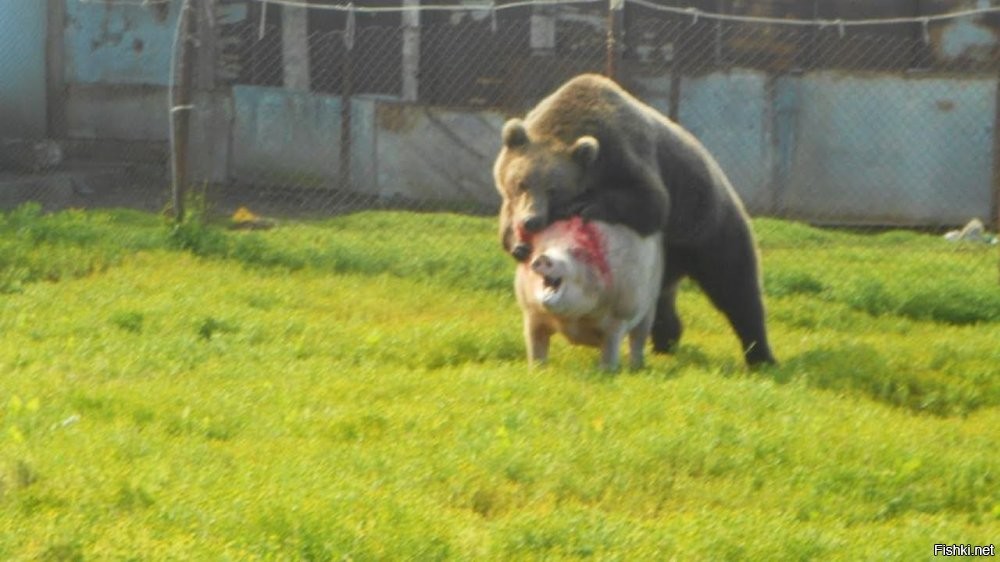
514 134
585 150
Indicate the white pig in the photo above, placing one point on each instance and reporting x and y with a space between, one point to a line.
594 282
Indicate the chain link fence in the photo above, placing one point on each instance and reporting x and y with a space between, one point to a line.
815 111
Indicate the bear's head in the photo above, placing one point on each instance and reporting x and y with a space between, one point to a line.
534 175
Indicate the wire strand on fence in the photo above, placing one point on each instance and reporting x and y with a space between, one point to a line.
695 13
427 7
126 2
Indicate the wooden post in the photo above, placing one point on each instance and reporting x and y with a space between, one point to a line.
616 33
411 50
295 47
180 110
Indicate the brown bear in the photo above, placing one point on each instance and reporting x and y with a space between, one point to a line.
592 149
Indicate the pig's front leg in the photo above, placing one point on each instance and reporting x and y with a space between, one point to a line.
536 340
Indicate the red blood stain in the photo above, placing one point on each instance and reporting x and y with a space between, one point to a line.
586 243
590 241
523 235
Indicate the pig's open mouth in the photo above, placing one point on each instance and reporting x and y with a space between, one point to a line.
551 285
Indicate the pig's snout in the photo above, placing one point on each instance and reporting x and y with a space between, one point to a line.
542 264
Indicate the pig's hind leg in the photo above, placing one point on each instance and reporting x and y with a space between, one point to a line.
611 348
637 340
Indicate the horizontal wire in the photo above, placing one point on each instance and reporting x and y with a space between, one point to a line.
690 11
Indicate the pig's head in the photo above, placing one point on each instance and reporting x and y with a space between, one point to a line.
569 271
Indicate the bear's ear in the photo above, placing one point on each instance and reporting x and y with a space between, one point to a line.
514 134
585 150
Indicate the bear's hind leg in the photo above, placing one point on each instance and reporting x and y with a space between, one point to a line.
729 276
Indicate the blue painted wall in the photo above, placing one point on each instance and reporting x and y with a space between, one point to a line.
22 69
119 44
890 149
730 114
286 138
855 148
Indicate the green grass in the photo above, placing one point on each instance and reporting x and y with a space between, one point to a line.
356 389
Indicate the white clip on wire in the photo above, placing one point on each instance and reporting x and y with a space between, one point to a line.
926 32
493 16
695 12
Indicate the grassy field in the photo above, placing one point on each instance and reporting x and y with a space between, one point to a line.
356 389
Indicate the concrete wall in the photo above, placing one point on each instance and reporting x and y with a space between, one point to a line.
119 44
117 68
436 154
285 138
823 147
294 139
889 149
22 69
854 148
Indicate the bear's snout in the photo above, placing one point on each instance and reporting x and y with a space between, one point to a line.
521 252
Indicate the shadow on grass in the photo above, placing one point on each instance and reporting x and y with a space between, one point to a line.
861 369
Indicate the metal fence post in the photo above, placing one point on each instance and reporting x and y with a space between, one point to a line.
616 33
295 47
411 50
